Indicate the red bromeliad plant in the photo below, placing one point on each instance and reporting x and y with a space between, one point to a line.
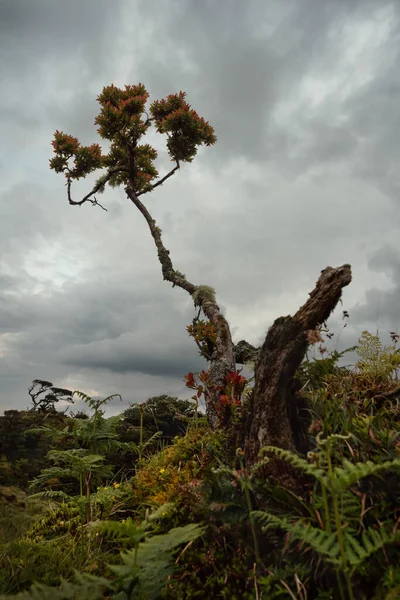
123 121
229 394
234 388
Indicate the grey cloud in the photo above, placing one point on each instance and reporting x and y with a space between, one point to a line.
380 309
126 355
121 329
46 28
292 185
247 59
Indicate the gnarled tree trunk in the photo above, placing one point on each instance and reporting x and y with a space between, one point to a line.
273 415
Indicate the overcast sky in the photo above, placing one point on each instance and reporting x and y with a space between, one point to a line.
304 96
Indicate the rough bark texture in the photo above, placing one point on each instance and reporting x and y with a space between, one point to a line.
245 352
222 361
273 412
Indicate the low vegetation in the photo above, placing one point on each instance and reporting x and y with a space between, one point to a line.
119 510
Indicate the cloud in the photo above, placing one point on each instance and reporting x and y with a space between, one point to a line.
303 97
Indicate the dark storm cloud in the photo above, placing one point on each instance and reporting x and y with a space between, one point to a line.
101 326
52 53
44 30
239 61
303 97
171 360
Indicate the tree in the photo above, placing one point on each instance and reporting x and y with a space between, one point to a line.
44 395
272 416
162 413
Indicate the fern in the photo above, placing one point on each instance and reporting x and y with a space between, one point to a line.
142 574
327 544
374 359
319 540
371 541
350 473
51 494
333 540
86 587
147 567
300 463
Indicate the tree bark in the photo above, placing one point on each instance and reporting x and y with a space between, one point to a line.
222 361
245 352
273 413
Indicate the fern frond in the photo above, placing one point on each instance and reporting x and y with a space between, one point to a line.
371 541
46 430
87 587
51 494
81 395
300 463
148 567
127 532
350 473
111 397
319 540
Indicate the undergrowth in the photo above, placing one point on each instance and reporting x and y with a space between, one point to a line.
194 522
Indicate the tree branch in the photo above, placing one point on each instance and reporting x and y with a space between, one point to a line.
168 271
274 411
95 190
160 181
223 359
324 297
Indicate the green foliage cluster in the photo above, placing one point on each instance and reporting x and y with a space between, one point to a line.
192 521
23 452
123 121
26 437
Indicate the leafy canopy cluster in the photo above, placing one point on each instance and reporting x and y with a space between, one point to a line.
123 121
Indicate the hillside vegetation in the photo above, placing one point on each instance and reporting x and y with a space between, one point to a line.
155 504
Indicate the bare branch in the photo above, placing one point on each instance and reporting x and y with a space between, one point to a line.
275 405
223 359
95 190
324 297
168 271
160 181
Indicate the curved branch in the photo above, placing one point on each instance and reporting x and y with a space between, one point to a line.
223 359
274 412
168 271
95 190
160 181
324 297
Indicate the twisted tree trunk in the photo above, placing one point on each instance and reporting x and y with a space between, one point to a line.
273 414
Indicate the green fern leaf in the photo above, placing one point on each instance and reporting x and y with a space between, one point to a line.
350 473
87 587
319 540
300 463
